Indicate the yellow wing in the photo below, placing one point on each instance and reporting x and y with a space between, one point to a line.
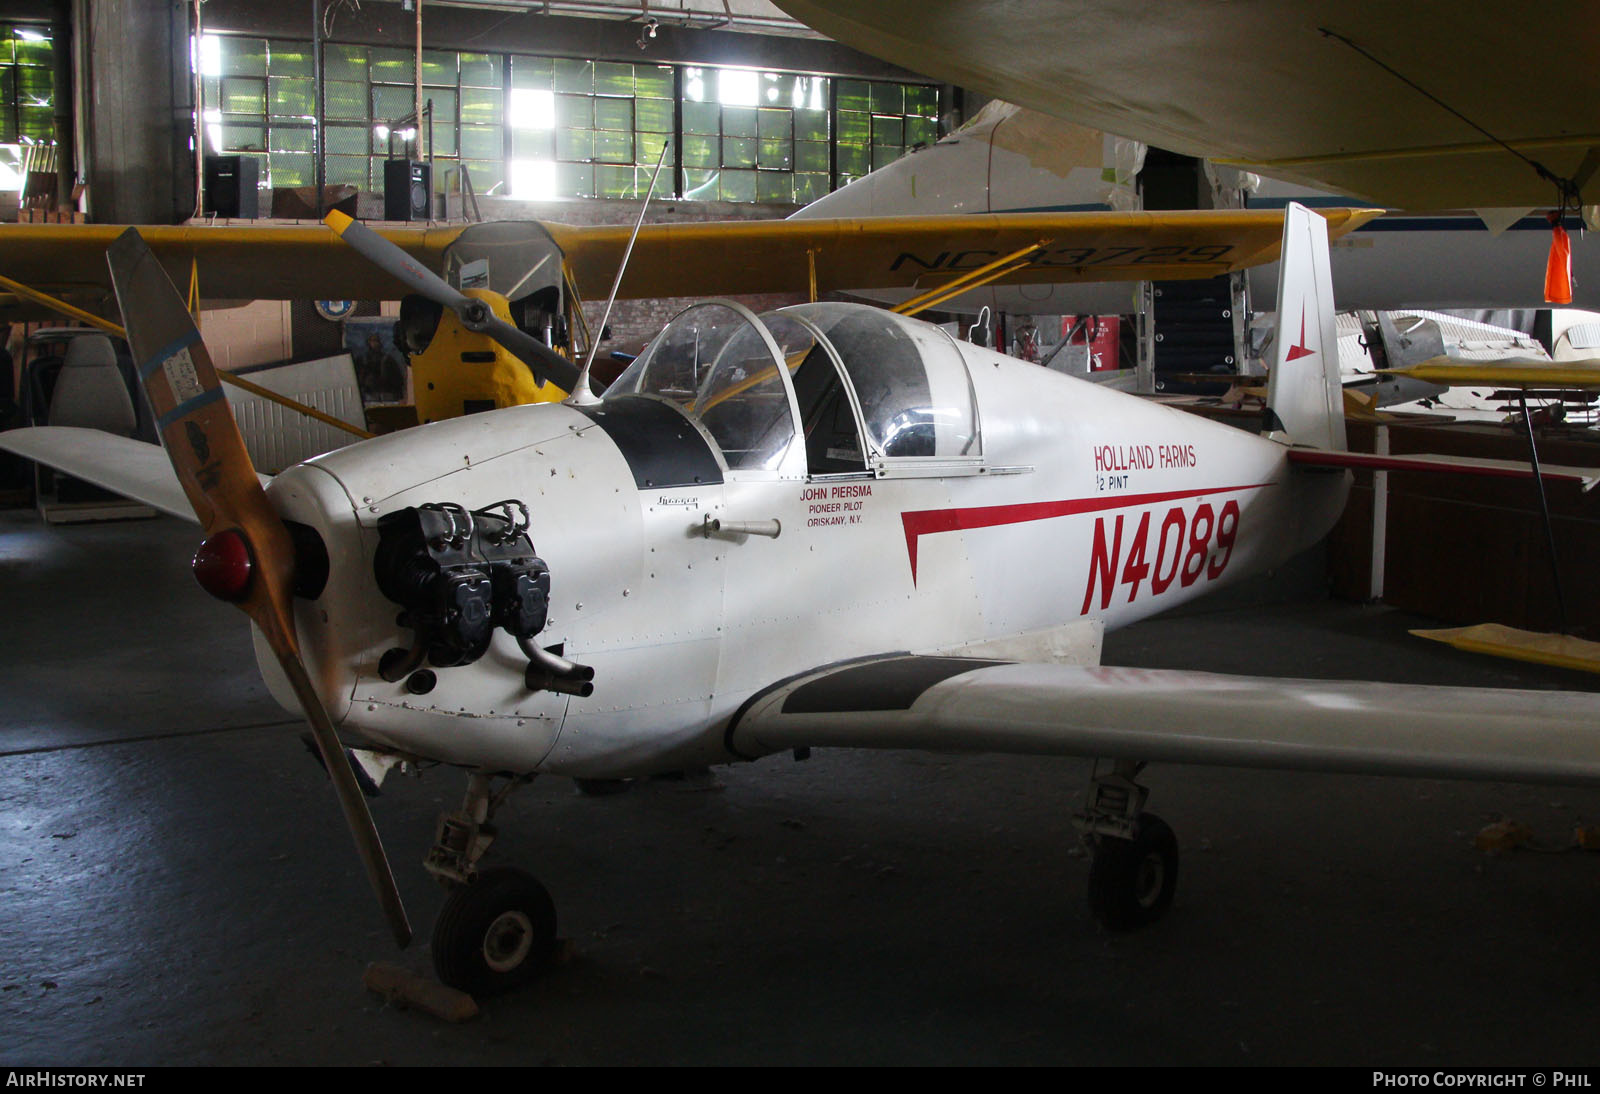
1498 640
923 252
281 262
263 262
1507 373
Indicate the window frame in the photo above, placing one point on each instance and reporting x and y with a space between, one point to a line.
780 171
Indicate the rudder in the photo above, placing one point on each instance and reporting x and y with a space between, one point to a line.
1305 399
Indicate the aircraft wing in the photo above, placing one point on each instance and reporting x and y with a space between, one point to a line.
1507 373
1585 477
968 705
1261 82
285 262
771 256
235 262
134 469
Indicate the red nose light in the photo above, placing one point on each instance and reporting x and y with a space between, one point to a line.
222 565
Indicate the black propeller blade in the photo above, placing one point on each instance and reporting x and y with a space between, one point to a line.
546 364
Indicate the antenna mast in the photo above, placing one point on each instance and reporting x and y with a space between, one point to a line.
582 395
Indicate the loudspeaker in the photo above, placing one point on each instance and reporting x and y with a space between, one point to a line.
407 190
232 186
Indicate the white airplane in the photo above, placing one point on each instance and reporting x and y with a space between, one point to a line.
1008 159
1406 105
824 526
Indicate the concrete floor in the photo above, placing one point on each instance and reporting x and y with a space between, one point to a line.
176 886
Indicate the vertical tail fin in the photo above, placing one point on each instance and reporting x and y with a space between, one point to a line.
1305 400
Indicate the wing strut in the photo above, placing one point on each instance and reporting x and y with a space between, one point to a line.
1544 508
976 279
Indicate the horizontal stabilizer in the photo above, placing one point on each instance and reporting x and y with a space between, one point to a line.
1508 372
134 469
1357 727
1497 640
1585 477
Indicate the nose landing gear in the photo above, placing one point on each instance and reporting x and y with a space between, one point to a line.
1134 874
497 930
495 933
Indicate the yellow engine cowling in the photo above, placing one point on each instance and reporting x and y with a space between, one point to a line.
462 372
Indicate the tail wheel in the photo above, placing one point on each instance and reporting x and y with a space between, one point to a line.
1132 882
495 934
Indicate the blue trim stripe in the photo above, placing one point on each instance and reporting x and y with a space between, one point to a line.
1088 207
1334 201
1461 224
186 408
161 355
1399 222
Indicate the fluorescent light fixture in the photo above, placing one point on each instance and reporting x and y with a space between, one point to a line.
29 35
532 109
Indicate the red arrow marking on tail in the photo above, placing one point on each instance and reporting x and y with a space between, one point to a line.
1300 350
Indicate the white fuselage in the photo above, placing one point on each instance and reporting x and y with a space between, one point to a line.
1085 506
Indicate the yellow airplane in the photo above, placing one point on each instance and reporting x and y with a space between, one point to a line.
470 340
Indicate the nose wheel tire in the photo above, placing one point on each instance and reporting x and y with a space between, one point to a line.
495 934
1132 882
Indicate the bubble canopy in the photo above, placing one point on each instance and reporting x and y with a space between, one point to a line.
736 376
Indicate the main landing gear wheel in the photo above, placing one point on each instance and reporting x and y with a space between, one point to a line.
1132 881
495 934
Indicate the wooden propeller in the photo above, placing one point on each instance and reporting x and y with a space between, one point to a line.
248 557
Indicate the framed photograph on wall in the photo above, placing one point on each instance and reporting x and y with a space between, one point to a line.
381 367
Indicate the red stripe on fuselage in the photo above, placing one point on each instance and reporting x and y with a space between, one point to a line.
925 522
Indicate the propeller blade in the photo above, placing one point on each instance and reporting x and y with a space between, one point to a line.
393 261
246 541
546 364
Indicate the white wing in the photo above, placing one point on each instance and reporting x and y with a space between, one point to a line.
134 469
960 704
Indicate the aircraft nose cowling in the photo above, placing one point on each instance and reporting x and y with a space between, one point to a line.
459 555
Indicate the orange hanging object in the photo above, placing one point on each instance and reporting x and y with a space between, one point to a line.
1558 271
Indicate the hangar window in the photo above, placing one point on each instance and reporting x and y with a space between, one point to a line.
538 127
27 95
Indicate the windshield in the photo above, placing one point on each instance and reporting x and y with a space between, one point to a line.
715 364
